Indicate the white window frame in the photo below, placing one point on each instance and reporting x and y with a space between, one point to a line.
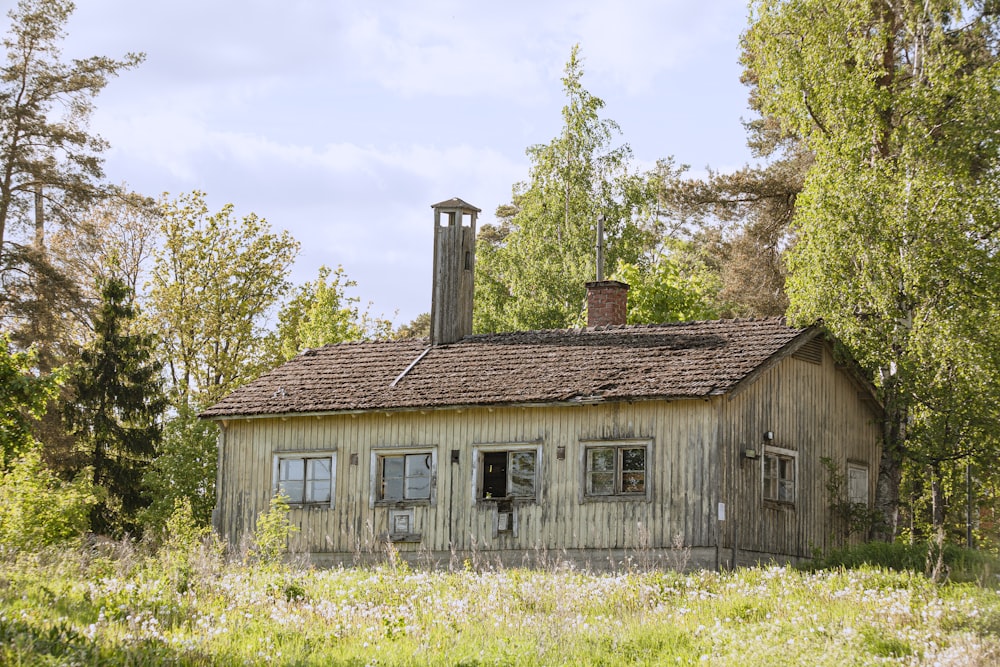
477 471
375 477
856 498
779 454
586 495
305 456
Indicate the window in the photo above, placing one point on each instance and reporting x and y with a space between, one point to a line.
857 484
507 473
779 475
404 477
616 470
305 478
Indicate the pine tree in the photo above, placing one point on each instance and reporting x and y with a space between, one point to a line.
116 414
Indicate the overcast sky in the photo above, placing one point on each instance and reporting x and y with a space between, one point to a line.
342 122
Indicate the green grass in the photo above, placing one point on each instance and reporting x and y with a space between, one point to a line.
133 609
962 565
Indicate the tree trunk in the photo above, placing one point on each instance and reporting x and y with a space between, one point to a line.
890 470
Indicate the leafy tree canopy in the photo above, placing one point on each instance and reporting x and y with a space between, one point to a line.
214 282
897 219
320 312
531 268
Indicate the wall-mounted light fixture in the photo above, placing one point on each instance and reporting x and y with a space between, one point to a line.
768 436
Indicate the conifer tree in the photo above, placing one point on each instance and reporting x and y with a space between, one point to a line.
117 409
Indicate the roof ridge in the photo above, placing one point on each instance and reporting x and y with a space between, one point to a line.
622 327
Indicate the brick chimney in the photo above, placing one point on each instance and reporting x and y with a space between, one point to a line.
454 265
607 302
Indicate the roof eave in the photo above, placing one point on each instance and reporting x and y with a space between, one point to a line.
576 401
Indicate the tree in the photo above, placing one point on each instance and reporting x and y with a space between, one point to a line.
50 168
531 268
38 509
679 286
23 397
117 409
418 327
214 282
185 470
45 149
897 220
321 312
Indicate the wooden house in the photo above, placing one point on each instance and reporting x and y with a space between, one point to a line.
588 444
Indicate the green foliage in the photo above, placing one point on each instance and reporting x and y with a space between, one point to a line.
853 518
184 470
321 312
23 396
678 287
418 327
117 408
74 609
896 224
532 267
45 104
37 509
964 565
186 544
270 537
214 282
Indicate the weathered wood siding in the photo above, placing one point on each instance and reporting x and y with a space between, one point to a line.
814 409
694 464
681 475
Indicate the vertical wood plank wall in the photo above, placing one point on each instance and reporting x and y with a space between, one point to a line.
694 464
815 410
680 471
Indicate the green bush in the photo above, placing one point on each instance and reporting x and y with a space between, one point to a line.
962 564
38 509
270 539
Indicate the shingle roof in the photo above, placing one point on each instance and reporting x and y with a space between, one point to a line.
686 360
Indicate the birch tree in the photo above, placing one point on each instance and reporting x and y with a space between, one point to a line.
532 266
896 224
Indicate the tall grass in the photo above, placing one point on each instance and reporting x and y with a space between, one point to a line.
119 605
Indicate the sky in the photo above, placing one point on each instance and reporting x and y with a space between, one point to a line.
343 122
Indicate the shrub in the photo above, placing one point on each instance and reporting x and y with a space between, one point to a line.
270 539
38 509
962 564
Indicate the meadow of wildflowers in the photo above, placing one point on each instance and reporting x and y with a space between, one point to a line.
78 608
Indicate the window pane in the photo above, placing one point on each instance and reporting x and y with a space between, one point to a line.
392 488
770 477
786 491
291 474
522 474
318 491
318 480
418 477
392 478
418 465
857 484
292 489
634 459
392 466
417 488
317 469
633 482
601 483
601 459
291 469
